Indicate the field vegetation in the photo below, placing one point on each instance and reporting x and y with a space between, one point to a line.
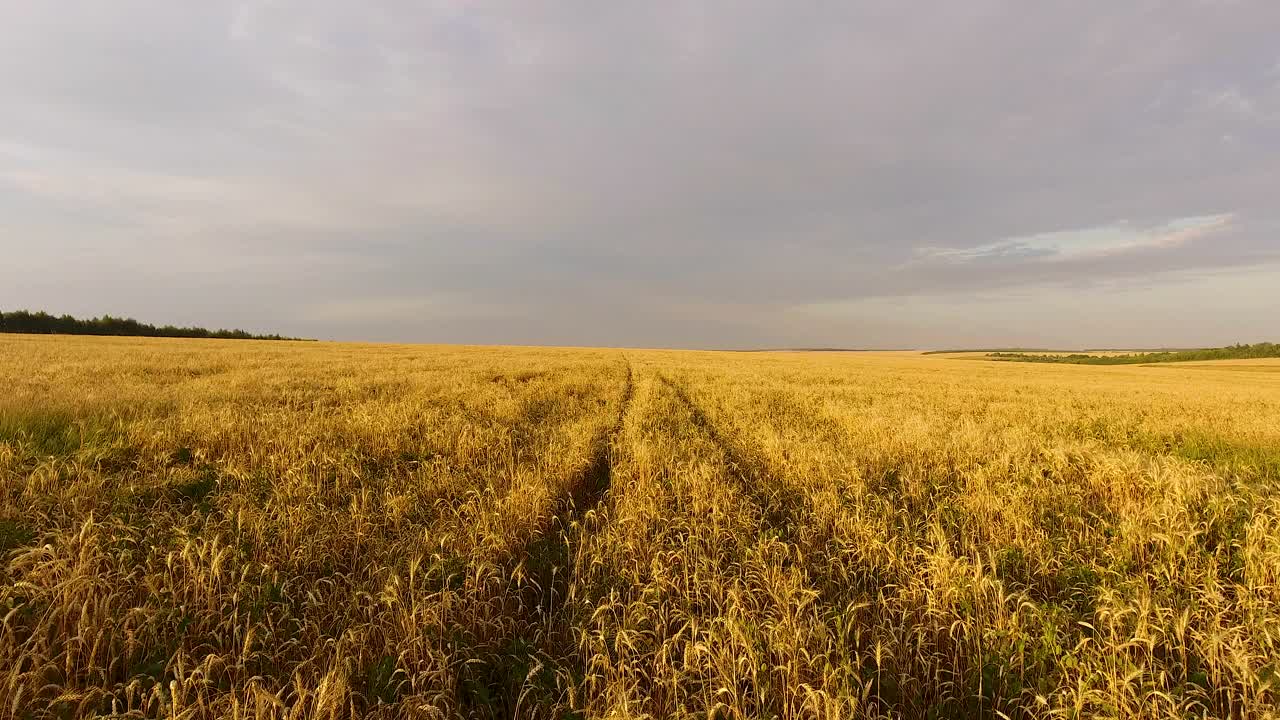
210 529
1231 352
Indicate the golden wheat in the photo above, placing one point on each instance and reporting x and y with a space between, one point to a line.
209 529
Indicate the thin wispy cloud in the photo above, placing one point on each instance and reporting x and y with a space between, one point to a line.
1086 243
645 173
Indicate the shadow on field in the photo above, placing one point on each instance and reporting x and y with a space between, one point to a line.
524 678
778 505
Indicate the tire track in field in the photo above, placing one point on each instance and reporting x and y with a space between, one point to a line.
783 508
551 550
588 492
523 679
778 508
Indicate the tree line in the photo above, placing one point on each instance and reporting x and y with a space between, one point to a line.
42 323
1231 352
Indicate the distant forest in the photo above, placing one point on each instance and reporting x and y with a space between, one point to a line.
1232 352
42 323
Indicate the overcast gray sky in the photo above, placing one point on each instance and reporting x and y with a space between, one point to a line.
723 174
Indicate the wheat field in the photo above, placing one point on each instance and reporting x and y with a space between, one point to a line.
271 530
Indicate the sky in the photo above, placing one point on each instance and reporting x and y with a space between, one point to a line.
731 174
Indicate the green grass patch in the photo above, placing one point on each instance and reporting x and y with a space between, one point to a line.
1241 460
383 681
44 432
1072 586
14 535
54 431
184 495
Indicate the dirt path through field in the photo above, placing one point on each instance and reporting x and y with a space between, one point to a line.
527 673
550 556
589 491
767 492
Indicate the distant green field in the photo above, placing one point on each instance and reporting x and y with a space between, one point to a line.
1228 367
1233 352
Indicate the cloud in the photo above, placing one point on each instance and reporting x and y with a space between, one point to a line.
1096 242
1187 308
697 172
